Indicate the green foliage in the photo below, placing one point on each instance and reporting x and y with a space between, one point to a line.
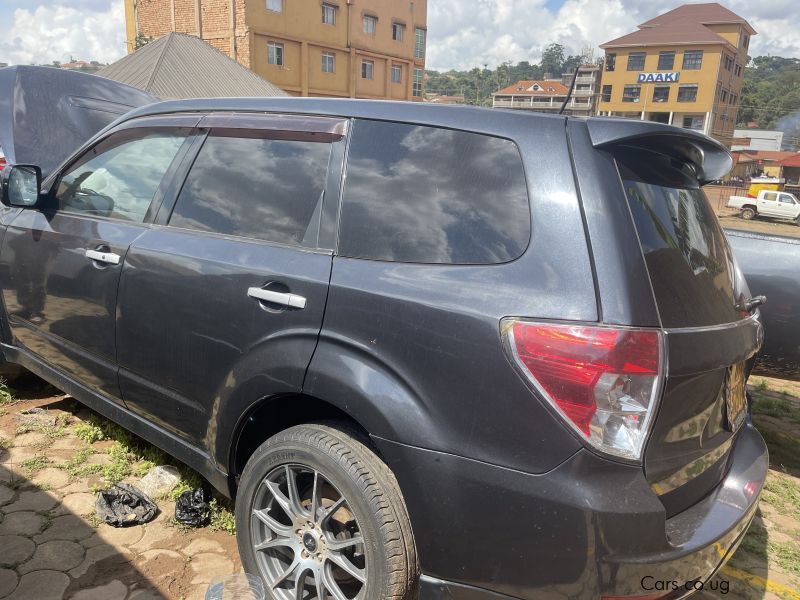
477 85
141 40
222 517
35 464
771 96
6 393
76 466
4 443
90 432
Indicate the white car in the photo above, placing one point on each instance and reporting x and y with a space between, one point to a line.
778 205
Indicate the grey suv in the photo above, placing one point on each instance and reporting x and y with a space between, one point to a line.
431 351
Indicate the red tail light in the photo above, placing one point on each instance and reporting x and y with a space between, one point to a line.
3 162
602 380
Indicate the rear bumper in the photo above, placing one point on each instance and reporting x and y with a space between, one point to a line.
589 528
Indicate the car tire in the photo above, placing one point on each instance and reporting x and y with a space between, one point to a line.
344 523
748 214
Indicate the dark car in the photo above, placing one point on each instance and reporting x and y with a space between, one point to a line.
771 264
436 351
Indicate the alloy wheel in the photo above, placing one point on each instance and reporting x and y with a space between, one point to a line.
307 541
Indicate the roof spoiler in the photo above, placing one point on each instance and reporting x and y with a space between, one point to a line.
709 158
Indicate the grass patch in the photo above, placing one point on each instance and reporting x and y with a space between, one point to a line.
6 393
4 443
779 408
755 542
787 555
35 464
90 432
222 517
76 466
783 494
783 453
762 386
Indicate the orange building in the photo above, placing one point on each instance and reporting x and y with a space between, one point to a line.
684 67
342 48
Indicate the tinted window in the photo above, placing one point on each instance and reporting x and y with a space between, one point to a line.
256 188
690 263
120 176
428 195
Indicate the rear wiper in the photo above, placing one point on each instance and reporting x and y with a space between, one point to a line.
752 304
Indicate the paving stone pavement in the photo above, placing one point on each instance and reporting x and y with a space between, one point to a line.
53 546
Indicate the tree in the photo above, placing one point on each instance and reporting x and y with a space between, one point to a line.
553 59
141 40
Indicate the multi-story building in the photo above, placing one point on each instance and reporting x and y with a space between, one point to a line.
684 67
548 95
344 48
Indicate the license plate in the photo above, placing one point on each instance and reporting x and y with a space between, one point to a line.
735 396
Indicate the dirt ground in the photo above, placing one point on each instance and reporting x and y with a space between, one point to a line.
53 461
765 226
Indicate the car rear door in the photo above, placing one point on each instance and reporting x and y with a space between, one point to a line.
64 261
222 300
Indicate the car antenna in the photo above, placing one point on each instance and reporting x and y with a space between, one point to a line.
569 93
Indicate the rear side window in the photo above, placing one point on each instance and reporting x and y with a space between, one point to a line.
691 266
255 188
431 195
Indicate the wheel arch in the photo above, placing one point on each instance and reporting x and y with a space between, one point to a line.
271 415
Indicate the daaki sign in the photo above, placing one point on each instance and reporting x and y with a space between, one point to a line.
659 77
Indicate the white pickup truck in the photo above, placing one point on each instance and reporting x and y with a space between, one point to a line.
778 205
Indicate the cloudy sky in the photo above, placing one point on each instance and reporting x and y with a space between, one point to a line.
463 33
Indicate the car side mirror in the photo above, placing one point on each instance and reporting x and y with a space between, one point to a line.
22 185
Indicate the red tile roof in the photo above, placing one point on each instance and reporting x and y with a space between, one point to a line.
523 88
792 161
707 14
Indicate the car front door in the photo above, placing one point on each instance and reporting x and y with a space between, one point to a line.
64 260
222 300
768 204
787 206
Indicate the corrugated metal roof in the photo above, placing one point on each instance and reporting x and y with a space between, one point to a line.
178 66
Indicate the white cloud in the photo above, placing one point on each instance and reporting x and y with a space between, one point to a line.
464 35
59 31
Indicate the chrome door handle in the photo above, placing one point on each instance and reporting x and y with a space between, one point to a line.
290 300
104 257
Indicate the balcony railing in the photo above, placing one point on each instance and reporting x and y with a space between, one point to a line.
555 104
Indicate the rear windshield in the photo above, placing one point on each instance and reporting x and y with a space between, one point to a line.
690 263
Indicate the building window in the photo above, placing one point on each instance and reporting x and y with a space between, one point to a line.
370 24
693 122
328 62
723 95
636 61
275 5
329 14
275 53
666 61
693 60
418 81
397 74
727 62
419 46
661 93
607 93
630 93
746 41
687 93
367 69
738 70
611 62
398 32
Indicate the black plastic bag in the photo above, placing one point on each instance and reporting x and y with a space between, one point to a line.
192 508
123 505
